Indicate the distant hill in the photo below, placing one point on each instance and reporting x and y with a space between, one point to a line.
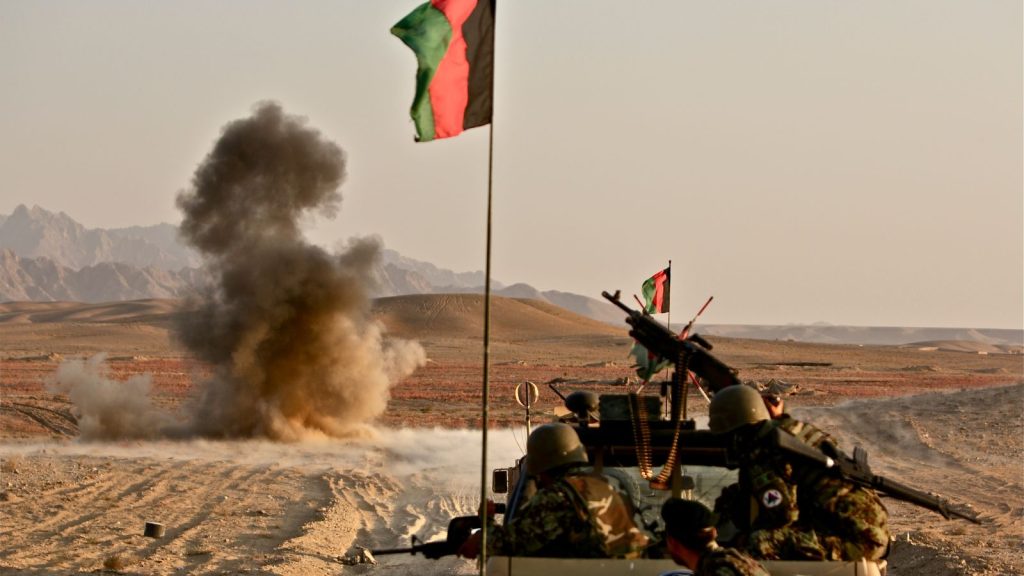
414 316
46 256
583 305
462 315
426 275
49 256
875 335
145 311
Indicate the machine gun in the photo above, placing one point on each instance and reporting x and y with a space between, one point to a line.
459 530
855 469
663 342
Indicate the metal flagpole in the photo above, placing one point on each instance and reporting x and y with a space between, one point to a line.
669 295
484 411
485 406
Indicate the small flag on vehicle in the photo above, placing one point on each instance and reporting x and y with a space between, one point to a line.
656 292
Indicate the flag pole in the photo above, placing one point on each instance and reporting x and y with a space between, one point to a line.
486 387
669 320
485 407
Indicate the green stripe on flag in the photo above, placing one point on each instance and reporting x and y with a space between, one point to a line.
646 363
656 291
427 32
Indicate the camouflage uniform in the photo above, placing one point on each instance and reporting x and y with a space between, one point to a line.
718 561
853 523
579 516
833 519
809 434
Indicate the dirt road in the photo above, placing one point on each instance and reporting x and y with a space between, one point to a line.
234 507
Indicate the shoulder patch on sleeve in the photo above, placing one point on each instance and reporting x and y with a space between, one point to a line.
771 498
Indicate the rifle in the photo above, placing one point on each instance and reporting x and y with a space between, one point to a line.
459 529
662 341
855 469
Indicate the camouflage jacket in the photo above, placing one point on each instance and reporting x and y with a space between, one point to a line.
799 510
809 434
718 561
579 516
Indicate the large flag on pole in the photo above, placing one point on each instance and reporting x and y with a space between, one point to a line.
454 45
656 292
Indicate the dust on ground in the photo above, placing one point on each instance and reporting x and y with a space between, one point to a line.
236 506
261 507
941 421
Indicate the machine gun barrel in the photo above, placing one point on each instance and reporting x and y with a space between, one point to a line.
385 551
662 341
856 470
432 550
459 529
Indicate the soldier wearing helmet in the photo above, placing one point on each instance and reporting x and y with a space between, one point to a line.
574 514
790 509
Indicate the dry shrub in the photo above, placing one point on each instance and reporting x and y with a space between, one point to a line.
198 550
116 563
10 464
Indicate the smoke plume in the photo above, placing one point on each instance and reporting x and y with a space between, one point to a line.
285 324
108 409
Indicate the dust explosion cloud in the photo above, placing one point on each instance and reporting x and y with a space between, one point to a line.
285 324
107 409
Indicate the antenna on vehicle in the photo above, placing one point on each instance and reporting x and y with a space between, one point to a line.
531 398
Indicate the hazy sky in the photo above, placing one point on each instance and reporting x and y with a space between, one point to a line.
801 160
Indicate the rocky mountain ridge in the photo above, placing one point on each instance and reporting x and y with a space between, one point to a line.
42 279
38 233
47 256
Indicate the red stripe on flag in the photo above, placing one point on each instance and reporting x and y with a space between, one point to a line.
449 90
659 291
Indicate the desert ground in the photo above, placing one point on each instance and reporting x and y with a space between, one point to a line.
943 418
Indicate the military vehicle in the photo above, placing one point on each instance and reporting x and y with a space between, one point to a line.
628 436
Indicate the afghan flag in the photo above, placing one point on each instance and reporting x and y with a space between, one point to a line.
646 363
656 292
454 45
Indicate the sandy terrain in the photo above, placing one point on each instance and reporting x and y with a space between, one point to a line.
950 422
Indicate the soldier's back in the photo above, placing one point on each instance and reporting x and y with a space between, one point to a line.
729 562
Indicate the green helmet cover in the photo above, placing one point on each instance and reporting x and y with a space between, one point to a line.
551 446
734 407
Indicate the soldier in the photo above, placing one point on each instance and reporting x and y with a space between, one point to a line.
775 405
690 536
807 433
572 515
791 509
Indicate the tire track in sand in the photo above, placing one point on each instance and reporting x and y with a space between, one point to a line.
209 509
372 507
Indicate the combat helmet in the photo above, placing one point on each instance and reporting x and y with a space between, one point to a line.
735 406
551 446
